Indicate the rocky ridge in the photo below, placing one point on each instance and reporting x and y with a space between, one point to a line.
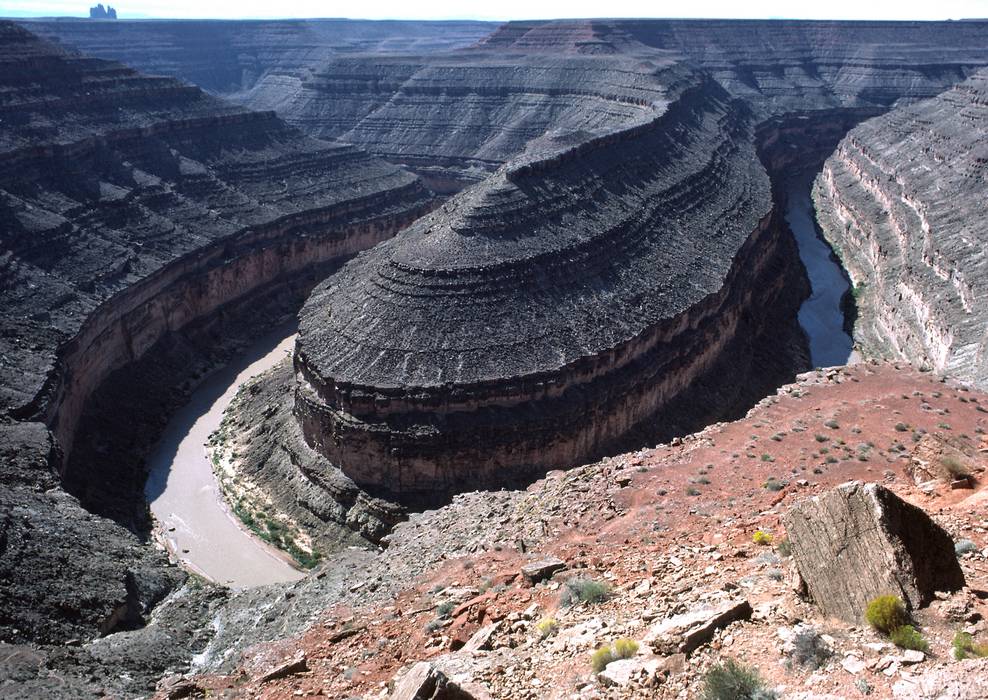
899 201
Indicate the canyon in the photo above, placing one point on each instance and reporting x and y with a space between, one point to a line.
900 198
562 238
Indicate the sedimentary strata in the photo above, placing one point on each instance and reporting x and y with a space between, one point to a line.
467 111
540 316
131 207
232 58
900 200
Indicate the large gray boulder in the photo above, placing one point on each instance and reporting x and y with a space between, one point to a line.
860 541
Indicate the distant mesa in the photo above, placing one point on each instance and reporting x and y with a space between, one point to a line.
100 12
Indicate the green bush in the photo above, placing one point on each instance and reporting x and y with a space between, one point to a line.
908 637
623 648
603 656
547 627
733 681
445 609
784 547
886 612
761 538
585 590
965 648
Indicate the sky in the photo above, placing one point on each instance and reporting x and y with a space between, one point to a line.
500 10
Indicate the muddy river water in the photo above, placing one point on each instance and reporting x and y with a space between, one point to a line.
192 516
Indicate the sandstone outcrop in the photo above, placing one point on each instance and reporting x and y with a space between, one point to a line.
543 315
900 200
860 541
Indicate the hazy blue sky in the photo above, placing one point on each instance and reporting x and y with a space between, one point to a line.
514 9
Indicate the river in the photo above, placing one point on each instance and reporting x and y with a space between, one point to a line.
191 514
820 316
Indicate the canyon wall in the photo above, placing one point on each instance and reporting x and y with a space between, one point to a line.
132 207
230 57
900 200
541 316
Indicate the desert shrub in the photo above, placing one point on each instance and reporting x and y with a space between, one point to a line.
761 538
585 590
445 609
820 438
964 547
886 612
434 625
547 627
832 424
600 658
774 485
965 648
733 681
692 491
809 649
908 637
623 648
784 547
955 468
766 457
901 427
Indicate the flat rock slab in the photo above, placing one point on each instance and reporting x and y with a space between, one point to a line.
684 633
860 541
542 569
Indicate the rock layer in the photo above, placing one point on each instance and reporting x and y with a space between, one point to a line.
464 112
544 314
130 208
133 205
900 200
234 57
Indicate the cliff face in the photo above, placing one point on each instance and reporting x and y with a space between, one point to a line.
901 201
230 58
131 207
544 314
463 113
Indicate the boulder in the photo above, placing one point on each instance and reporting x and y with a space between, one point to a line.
481 639
684 633
542 569
860 541
426 682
